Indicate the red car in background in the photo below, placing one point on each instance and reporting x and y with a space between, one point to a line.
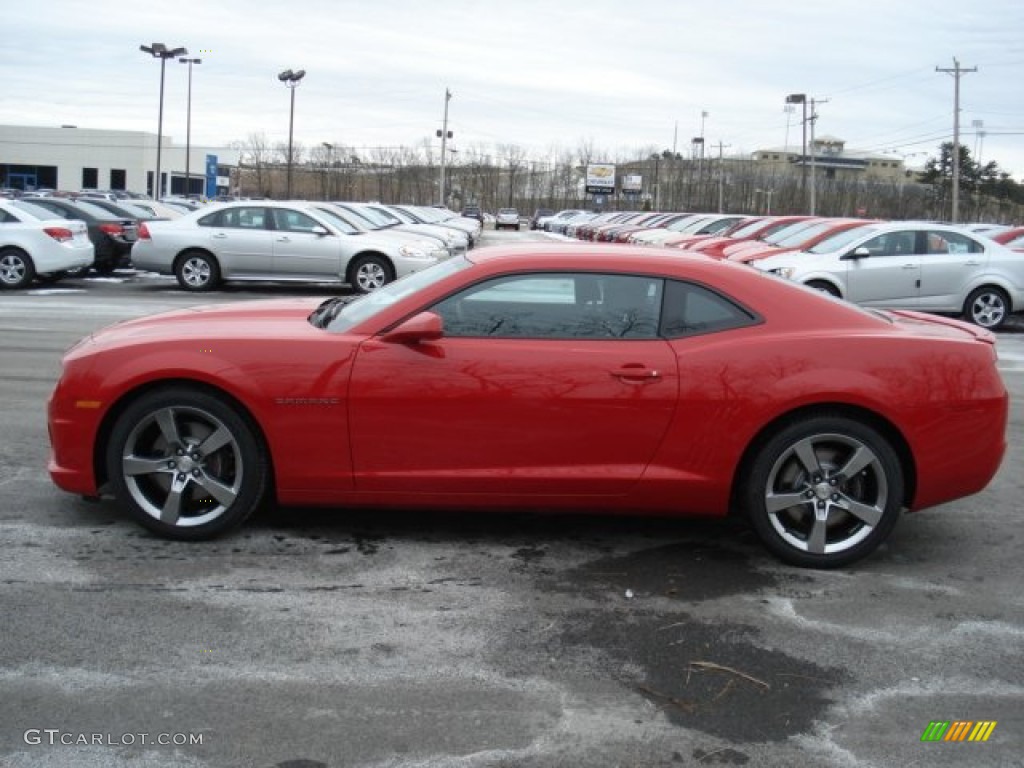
807 237
685 241
548 377
1011 238
756 230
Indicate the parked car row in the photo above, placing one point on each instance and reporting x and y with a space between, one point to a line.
971 271
363 245
366 245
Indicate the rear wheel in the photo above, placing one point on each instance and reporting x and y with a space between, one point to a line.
197 271
824 492
186 464
16 268
988 307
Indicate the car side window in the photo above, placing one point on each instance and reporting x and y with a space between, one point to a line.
556 306
952 242
237 218
900 243
691 309
7 218
288 220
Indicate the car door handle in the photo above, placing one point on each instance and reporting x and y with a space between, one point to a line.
636 373
972 263
910 266
284 239
219 236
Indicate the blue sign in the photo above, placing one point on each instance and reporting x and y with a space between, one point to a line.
211 177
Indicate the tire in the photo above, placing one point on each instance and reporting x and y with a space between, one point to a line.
368 273
197 271
988 307
517 227
801 472
16 268
185 464
824 287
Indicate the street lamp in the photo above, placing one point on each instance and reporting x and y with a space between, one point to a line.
162 52
291 81
188 126
801 98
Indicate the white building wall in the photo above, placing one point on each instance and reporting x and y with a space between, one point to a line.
73 149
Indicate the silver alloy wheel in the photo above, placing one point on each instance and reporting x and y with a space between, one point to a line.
370 276
826 493
182 466
12 269
196 271
988 309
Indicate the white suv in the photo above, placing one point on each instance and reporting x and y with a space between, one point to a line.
912 265
507 217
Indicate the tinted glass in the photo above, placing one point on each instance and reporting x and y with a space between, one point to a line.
692 309
556 306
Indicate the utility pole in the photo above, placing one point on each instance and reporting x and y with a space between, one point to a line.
801 99
721 178
445 134
813 118
956 71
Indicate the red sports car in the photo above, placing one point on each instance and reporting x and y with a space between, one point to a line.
557 377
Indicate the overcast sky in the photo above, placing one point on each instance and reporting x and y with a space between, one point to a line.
547 76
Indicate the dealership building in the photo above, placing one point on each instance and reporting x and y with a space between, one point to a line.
71 158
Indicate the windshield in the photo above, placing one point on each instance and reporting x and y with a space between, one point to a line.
779 235
841 239
806 233
749 229
340 222
37 211
369 305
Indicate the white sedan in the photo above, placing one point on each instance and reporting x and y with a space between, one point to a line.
269 240
33 243
912 265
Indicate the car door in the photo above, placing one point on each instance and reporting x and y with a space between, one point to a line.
949 263
889 275
241 239
545 384
304 247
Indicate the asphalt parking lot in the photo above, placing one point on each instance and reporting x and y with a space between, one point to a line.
355 638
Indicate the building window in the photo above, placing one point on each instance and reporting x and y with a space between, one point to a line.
90 178
118 178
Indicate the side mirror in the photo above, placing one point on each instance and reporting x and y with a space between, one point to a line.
320 231
426 326
859 253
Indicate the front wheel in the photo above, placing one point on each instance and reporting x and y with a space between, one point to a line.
16 268
824 492
369 273
185 464
197 271
988 307
824 287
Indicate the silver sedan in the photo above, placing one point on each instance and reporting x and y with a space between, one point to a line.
268 240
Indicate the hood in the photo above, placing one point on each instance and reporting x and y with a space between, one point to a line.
260 319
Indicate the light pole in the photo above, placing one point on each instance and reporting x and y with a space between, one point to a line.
162 52
328 187
291 81
444 134
801 98
188 126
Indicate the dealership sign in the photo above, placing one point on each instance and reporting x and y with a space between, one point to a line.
601 179
632 184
